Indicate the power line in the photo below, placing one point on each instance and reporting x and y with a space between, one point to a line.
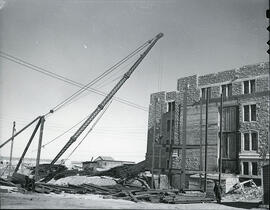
64 79
94 124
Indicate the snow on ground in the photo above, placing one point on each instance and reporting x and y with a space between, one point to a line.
78 180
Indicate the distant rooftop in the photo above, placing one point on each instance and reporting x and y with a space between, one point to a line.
103 158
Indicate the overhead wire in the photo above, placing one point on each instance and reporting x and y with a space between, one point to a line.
72 82
83 88
94 124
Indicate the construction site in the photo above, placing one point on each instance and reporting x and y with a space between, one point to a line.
206 144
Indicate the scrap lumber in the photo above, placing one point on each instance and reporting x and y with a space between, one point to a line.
124 171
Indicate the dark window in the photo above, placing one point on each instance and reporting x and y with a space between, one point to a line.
252 86
209 92
246 87
172 124
246 141
203 93
225 147
253 112
254 168
229 89
167 149
168 125
246 113
245 168
226 90
171 106
167 141
223 87
254 138
249 86
168 163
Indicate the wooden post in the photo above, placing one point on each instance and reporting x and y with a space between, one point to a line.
206 135
42 119
16 134
160 143
27 146
220 137
183 163
201 140
11 148
153 143
170 149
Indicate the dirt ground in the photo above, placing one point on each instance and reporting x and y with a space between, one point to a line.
17 200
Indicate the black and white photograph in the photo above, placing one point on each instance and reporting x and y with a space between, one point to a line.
134 104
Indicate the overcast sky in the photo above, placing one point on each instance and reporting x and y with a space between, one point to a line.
80 39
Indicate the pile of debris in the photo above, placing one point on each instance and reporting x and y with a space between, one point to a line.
133 190
246 190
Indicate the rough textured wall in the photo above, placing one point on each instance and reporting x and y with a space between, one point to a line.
218 77
262 120
193 91
237 88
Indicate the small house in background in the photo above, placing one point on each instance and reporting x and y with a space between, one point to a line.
104 163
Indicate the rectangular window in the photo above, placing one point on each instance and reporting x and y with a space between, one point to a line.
246 87
223 90
168 125
246 142
253 112
226 90
254 141
168 163
225 148
245 168
246 113
254 168
229 86
171 106
203 93
249 112
209 92
249 86
252 86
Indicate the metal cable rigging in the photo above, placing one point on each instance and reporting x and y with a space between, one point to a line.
94 124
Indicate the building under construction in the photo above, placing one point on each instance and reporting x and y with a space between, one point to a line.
183 124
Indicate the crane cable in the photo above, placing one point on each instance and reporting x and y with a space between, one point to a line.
77 84
66 131
82 87
94 124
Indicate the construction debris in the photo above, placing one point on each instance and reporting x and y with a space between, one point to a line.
246 190
125 190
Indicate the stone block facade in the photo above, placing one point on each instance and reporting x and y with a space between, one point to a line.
246 100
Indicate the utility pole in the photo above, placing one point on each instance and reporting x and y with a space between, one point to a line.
220 137
183 164
42 120
11 148
153 142
206 135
